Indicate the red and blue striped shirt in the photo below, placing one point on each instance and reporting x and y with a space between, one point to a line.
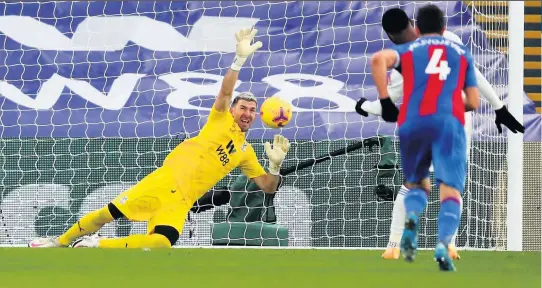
435 72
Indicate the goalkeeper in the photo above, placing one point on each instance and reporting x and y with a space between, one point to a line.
400 29
164 197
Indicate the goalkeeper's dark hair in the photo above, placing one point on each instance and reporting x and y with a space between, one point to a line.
430 20
395 22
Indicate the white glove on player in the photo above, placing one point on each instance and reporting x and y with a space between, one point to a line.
244 49
277 153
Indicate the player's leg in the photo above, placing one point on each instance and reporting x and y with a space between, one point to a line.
415 148
164 237
88 224
399 212
164 230
150 200
415 203
450 160
139 203
452 250
448 222
393 251
397 225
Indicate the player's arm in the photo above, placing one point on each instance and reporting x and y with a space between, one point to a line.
380 63
395 90
486 90
243 51
472 100
483 85
270 181
503 116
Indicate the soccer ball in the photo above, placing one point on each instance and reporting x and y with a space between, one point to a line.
275 112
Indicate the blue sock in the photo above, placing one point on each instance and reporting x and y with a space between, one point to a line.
415 201
448 219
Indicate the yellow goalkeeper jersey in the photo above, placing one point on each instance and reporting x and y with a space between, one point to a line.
200 162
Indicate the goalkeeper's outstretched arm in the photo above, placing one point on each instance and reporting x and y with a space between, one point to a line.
276 153
243 50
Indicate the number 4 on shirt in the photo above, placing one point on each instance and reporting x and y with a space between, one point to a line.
438 66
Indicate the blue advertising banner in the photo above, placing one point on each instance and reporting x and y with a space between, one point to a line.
144 69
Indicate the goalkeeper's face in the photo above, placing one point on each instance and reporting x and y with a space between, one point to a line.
244 113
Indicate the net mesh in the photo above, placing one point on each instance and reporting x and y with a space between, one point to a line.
95 104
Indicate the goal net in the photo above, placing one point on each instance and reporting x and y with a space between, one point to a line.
95 94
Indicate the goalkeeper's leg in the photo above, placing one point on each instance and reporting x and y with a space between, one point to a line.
162 237
90 223
164 229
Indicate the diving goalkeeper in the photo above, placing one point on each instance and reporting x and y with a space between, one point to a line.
400 29
164 197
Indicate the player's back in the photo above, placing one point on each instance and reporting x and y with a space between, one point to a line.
434 71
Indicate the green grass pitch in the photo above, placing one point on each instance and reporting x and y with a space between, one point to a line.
24 267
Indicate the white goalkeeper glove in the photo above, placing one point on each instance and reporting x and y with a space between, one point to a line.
277 153
244 49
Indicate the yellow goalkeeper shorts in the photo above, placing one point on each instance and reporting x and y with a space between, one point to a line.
156 199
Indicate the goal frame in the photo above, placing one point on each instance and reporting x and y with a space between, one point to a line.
514 217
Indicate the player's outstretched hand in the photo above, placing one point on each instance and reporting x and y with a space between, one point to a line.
359 109
244 47
276 153
504 117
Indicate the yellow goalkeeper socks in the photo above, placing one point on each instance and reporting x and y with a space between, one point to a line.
89 224
136 241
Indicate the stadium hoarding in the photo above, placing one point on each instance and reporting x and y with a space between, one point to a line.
143 69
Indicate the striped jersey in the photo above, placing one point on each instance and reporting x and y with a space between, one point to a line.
435 71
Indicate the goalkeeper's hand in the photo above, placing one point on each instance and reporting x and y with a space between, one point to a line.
504 117
244 49
276 153
390 113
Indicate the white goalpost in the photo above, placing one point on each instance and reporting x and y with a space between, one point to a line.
514 224
95 94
